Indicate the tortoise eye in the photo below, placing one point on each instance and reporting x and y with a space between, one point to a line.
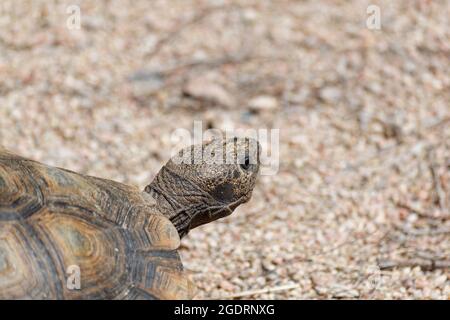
246 164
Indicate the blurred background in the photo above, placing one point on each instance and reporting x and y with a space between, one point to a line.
360 205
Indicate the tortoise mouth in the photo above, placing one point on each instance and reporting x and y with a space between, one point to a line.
228 209
237 203
217 212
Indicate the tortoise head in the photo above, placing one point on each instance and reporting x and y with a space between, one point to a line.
205 182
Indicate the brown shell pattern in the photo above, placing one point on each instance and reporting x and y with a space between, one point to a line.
52 219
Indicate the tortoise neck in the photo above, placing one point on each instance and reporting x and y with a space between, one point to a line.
171 193
179 218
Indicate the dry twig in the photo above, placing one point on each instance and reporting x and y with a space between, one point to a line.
426 265
260 291
203 14
439 191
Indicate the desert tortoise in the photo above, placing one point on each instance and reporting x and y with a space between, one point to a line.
122 241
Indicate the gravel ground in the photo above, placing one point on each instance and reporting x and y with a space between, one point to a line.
360 205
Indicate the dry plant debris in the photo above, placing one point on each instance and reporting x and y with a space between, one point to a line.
360 205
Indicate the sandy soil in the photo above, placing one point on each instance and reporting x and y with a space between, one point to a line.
359 207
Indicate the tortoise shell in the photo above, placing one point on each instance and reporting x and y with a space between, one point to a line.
53 220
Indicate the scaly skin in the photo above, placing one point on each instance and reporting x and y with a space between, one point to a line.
123 240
